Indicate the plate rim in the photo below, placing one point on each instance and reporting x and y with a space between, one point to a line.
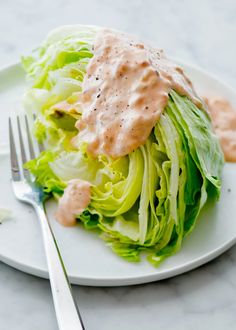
128 280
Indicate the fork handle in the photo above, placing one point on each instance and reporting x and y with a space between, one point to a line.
67 311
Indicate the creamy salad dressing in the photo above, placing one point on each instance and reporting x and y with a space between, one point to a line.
75 199
223 117
125 91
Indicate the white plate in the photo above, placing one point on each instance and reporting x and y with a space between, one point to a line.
88 260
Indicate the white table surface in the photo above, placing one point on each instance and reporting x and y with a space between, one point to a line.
200 32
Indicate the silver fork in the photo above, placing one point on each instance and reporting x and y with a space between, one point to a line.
27 191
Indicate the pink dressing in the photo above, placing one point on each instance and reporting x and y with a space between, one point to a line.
75 199
223 117
125 91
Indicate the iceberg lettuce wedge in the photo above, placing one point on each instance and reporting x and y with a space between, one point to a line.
146 201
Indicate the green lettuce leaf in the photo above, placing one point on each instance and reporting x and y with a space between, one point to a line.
44 176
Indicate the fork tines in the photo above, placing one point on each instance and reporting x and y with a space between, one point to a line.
17 166
13 155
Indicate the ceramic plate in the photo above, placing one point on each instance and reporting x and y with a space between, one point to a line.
88 260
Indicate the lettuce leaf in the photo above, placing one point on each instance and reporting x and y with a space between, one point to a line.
44 176
4 214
